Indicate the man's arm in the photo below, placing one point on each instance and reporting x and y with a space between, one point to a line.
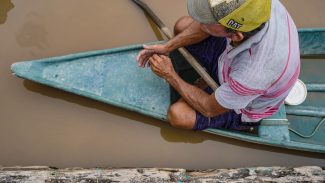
191 35
194 96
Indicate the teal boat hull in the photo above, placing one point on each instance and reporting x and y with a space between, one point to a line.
113 77
312 41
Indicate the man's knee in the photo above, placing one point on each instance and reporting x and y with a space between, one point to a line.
180 116
182 23
174 116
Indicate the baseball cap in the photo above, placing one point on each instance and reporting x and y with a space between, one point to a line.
241 15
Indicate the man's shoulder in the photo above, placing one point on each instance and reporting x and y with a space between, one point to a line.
255 74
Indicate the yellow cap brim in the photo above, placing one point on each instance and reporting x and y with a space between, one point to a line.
248 16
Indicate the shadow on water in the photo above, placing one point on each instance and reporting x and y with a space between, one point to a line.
168 133
5 7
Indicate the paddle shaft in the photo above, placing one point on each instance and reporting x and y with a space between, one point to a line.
191 60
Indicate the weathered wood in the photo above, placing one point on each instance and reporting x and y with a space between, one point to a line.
259 174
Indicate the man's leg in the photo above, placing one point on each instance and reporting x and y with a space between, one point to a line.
182 23
181 115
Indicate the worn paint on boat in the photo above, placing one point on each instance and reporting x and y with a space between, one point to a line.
112 76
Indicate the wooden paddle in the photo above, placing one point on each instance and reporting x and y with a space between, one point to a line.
191 60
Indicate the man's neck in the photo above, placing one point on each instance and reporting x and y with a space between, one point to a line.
235 44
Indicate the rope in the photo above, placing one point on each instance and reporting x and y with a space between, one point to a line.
312 134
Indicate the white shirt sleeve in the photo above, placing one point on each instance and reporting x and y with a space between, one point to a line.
229 99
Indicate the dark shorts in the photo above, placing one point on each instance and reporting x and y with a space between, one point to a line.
207 53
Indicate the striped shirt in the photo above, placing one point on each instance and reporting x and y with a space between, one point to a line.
257 75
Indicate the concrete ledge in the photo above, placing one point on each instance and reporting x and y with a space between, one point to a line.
40 174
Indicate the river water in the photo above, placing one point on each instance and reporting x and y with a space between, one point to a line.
40 125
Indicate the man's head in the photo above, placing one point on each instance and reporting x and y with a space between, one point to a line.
238 15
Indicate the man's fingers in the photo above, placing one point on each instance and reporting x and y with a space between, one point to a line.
153 61
164 56
146 62
157 57
143 57
140 55
141 60
153 67
147 52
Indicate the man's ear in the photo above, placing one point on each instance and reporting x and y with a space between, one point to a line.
237 36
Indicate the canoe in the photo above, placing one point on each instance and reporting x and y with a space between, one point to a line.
113 77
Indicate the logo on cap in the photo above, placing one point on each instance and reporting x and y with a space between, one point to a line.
233 24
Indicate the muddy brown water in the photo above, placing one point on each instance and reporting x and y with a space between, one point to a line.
40 125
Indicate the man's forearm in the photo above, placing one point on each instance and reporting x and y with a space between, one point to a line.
191 35
196 97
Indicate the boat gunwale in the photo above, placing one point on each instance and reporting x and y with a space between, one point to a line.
307 30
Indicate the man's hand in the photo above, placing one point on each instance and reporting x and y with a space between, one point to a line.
149 51
198 99
162 66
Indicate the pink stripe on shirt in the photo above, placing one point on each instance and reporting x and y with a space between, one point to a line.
242 90
253 115
286 86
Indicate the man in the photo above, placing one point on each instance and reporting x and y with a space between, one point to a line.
249 47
